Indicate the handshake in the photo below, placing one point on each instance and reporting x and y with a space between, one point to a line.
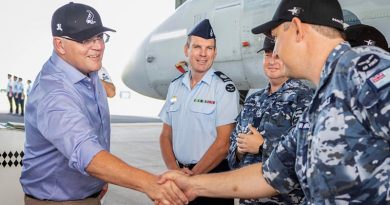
172 188
177 187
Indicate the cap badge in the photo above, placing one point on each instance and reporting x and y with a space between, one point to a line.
59 28
338 21
211 33
370 42
90 18
295 11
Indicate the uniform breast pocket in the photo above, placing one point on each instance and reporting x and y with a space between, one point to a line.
173 111
203 111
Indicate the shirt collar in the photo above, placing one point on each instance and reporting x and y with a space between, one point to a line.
333 56
206 78
71 72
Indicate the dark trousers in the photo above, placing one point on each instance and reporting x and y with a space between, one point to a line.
16 100
20 103
222 167
9 95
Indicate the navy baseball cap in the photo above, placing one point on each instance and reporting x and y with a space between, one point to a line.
318 12
268 45
203 30
77 21
361 34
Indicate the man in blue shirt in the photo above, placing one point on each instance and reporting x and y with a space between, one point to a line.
339 151
67 122
199 113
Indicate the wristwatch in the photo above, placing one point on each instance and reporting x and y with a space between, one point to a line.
260 150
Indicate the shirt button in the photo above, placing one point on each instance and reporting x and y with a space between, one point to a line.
89 87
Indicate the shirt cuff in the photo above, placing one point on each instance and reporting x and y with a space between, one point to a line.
81 158
279 176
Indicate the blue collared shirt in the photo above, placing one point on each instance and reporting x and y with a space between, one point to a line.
194 114
67 123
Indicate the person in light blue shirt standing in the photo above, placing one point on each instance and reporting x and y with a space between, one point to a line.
67 150
9 93
20 93
199 113
28 89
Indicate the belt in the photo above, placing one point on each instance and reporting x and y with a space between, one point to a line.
188 166
94 195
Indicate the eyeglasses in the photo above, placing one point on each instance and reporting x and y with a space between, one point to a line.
102 37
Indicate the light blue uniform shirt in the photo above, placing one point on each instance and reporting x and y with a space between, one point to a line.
67 123
19 87
195 114
9 86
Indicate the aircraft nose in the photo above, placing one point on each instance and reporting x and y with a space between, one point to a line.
135 75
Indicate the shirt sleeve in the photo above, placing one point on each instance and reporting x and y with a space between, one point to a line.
232 157
65 126
227 104
103 75
279 168
164 114
370 100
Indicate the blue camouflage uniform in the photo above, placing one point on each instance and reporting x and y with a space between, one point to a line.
273 115
339 151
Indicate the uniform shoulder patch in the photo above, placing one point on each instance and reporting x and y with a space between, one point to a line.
223 77
230 87
381 79
367 62
179 76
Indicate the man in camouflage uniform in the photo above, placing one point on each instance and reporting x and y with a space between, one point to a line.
273 111
339 152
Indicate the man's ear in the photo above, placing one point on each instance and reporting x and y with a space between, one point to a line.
58 45
299 29
186 49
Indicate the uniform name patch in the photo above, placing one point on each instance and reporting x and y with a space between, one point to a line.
204 101
381 79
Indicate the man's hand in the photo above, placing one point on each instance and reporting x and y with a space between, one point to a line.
103 192
187 171
182 180
250 142
166 193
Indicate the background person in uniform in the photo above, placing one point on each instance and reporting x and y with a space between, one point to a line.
106 80
15 94
365 35
339 150
9 93
67 158
28 89
20 93
273 111
199 113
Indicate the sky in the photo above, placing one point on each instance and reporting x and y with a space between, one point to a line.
26 41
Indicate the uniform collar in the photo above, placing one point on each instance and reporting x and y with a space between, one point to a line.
206 78
71 72
286 85
333 56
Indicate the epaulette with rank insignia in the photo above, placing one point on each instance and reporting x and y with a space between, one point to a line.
230 86
179 76
223 77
